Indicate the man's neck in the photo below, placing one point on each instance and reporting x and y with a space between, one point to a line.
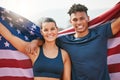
80 35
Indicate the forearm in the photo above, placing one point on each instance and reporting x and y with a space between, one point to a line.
116 26
117 22
15 41
5 32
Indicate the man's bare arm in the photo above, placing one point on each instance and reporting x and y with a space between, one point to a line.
115 26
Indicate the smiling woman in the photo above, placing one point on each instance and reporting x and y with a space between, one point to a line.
50 61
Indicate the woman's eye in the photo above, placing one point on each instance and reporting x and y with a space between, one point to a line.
45 30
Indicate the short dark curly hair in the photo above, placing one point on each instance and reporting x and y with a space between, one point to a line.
77 8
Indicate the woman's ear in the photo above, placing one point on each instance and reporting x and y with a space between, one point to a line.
57 28
41 32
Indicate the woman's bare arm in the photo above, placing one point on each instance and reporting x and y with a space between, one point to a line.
15 41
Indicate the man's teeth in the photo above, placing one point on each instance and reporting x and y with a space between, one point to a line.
80 26
50 36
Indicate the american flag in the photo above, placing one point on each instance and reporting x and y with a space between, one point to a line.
14 65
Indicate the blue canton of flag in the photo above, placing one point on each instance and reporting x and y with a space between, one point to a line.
19 26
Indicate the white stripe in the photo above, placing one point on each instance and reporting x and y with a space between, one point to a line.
66 29
100 23
10 54
113 42
115 76
95 25
16 72
113 59
66 33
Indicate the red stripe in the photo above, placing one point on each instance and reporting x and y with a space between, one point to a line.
113 68
15 78
15 63
67 31
115 50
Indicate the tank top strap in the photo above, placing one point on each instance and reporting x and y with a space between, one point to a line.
59 53
41 51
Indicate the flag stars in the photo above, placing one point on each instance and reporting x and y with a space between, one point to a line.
3 18
9 18
31 32
33 26
18 31
10 24
32 29
21 20
7 44
26 38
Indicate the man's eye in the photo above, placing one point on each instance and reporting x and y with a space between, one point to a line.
75 19
82 18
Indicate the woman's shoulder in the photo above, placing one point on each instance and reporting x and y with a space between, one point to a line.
64 54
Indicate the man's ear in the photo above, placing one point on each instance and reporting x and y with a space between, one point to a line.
88 18
70 20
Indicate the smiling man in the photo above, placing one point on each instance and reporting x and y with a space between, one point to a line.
88 47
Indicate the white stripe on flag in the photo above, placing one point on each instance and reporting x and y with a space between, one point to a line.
16 72
113 42
113 59
115 76
10 54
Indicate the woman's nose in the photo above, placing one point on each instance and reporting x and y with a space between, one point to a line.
49 32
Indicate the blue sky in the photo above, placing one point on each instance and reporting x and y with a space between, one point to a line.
33 9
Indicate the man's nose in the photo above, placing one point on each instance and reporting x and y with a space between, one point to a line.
79 22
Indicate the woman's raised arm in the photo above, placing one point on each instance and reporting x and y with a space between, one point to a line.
14 40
